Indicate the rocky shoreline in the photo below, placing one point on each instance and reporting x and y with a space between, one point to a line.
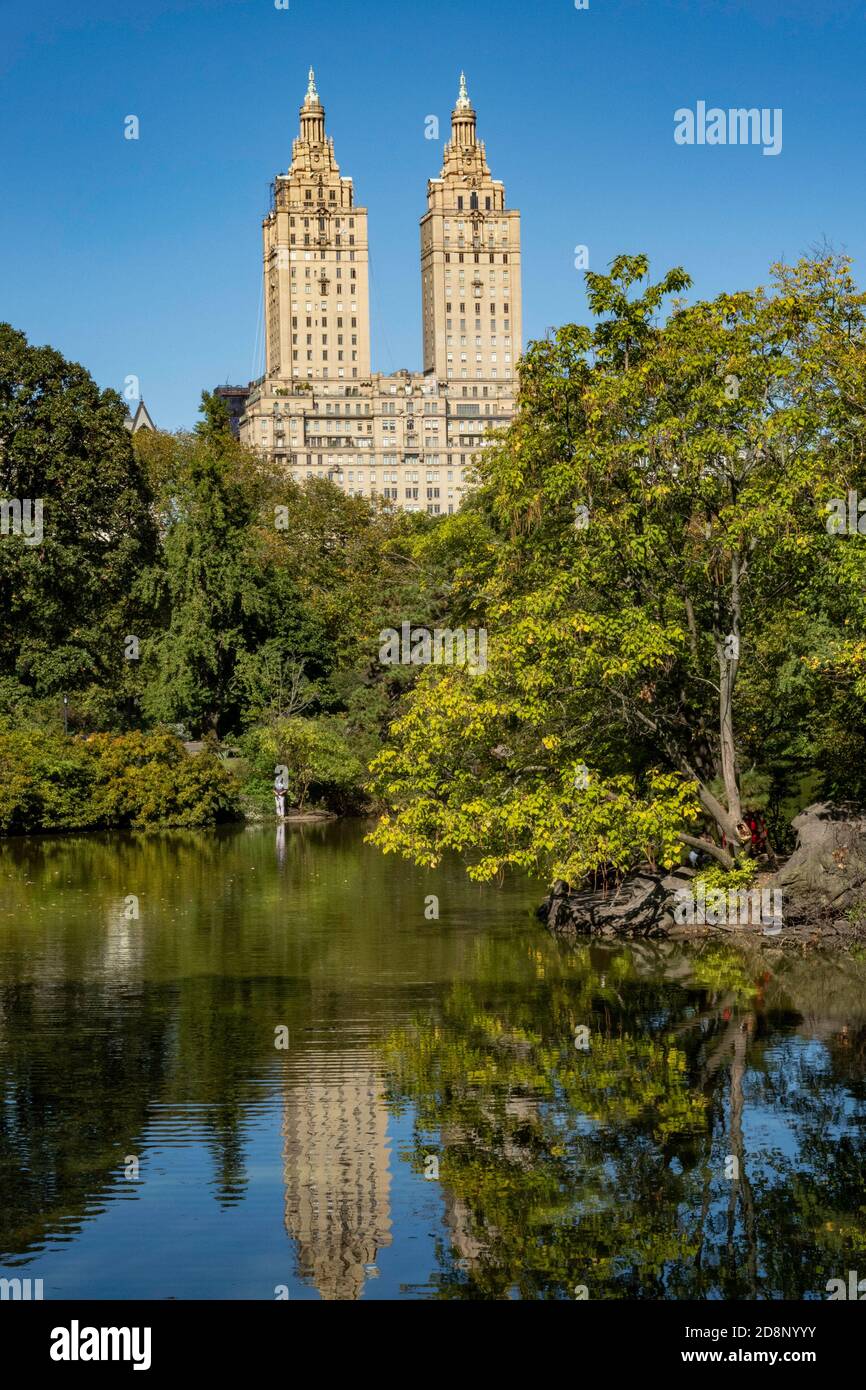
816 898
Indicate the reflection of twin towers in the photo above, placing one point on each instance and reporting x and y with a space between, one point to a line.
336 1171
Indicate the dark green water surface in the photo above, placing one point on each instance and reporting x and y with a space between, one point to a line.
437 1125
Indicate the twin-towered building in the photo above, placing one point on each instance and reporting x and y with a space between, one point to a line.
320 409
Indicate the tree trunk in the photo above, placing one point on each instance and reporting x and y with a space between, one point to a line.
729 662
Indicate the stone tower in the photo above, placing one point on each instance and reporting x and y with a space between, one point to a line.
317 306
470 263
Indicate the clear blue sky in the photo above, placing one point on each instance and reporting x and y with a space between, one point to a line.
143 257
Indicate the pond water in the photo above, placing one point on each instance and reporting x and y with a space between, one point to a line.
252 1064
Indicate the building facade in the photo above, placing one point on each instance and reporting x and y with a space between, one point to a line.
407 437
470 263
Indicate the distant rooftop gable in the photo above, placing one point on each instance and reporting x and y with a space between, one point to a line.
140 420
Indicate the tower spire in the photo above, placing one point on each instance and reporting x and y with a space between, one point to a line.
312 114
463 119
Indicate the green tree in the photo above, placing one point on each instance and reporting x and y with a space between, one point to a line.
216 418
657 511
219 598
70 596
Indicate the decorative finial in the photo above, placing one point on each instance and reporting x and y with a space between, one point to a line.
463 98
312 94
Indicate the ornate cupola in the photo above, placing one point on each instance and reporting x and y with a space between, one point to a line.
312 114
463 119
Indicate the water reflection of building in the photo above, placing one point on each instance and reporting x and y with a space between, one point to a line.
121 946
336 1171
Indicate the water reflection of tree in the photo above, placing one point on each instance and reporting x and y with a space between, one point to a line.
75 1103
104 1016
607 1168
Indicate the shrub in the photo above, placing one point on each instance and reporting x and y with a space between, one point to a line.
51 782
717 876
45 781
322 765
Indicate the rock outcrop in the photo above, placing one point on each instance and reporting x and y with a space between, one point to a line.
822 885
641 905
825 877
